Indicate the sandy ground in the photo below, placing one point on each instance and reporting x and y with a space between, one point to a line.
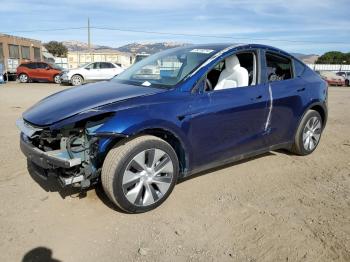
276 207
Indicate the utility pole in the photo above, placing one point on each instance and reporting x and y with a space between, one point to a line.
89 40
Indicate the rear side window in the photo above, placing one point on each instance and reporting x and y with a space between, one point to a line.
299 68
278 67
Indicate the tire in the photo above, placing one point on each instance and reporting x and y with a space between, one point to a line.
346 82
134 182
77 80
308 134
57 79
23 78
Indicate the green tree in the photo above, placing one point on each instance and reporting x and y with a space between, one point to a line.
56 48
334 57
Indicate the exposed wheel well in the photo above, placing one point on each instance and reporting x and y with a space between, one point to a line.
78 75
173 141
162 134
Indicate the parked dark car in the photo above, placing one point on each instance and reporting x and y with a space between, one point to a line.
38 71
209 105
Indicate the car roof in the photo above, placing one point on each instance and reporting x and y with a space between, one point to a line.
222 46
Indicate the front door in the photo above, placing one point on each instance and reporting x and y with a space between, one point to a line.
231 123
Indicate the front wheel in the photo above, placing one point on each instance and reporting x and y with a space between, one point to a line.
57 79
23 78
308 134
140 174
347 83
77 80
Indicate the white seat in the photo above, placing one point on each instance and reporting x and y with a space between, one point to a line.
233 75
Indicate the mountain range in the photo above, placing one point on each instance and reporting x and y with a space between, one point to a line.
151 48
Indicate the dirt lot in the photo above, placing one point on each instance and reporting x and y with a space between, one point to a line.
276 207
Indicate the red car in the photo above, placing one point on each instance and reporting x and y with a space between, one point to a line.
332 78
38 71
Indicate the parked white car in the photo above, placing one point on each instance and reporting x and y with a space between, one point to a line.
91 72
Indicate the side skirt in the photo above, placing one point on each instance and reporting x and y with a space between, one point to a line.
237 158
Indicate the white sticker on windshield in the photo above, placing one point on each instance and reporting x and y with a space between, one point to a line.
146 83
202 51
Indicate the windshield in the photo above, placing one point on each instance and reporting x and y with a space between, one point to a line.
165 69
138 58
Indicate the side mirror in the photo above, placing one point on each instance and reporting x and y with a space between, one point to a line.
48 68
87 68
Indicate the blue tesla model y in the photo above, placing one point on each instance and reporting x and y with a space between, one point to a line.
173 114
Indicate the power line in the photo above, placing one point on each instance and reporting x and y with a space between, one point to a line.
45 30
215 36
176 34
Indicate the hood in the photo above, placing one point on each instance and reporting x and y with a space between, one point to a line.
70 102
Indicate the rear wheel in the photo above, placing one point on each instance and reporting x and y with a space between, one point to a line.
57 79
23 78
346 82
139 175
308 134
77 80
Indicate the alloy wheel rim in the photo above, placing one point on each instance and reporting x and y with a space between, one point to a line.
57 80
76 80
148 177
23 78
312 133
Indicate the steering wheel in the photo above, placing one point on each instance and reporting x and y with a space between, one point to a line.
208 85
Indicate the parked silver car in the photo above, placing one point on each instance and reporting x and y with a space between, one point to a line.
346 75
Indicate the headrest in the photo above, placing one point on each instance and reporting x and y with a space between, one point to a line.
231 62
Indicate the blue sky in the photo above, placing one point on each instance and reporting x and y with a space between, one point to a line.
316 22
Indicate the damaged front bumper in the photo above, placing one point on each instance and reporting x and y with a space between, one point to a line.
46 160
74 154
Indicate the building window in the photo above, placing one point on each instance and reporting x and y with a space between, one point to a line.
25 52
37 55
14 51
1 54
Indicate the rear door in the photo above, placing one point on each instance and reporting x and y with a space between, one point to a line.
108 70
287 93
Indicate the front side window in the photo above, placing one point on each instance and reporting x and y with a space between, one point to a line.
25 52
95 65
42 65
238 70
278 67
32 65
104 65
90 66
14 51
165 69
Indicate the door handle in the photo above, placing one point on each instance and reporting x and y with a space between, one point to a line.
301 89
256 98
